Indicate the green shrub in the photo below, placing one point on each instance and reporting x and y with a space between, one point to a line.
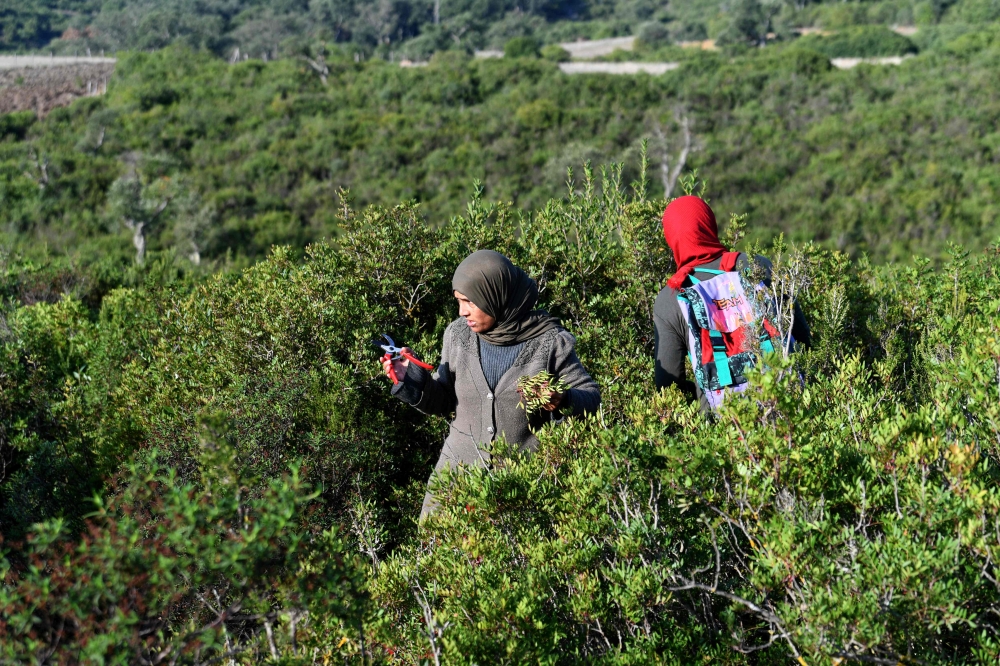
538 115
555 53
974 12
47 472
522 47
654 35
806 62
287 352
251 155
170 570
860 42
16 125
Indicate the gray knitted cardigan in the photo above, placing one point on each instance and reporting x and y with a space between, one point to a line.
458 386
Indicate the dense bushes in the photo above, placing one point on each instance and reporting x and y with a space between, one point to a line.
849 516
844 510
290 374
169 572
522 47
861 42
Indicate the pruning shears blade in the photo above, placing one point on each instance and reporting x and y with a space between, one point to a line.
390 348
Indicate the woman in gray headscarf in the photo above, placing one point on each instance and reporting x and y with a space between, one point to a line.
498 338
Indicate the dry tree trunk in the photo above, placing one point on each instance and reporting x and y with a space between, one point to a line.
138 232
670 176
138 239
319 65
42 166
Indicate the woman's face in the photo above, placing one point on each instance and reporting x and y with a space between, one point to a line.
478 321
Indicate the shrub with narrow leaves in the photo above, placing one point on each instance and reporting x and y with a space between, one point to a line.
538 391
173 572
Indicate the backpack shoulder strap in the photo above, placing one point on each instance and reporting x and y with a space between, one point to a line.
710 271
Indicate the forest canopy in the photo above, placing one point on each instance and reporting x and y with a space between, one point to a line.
391 29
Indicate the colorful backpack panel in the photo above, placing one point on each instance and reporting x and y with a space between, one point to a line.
721 314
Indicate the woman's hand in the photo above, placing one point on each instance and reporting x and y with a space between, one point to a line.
554 402
399 365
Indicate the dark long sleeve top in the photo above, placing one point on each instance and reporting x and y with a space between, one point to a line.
671 335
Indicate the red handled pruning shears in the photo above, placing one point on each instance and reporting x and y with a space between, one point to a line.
394 353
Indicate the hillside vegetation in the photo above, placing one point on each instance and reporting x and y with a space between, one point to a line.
258 27
264 485
211 163
390 29
200 459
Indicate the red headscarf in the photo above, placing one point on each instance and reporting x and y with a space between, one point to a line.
691 232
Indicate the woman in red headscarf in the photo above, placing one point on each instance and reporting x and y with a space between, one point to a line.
692 234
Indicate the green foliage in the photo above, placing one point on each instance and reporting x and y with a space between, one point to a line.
861 42
973 12
522 47
549 559
168 570
537 391
653 34
251 155
55 367
750 24
27 25
261 30
257 28
555 53
806 62
16 125
844 508
80 397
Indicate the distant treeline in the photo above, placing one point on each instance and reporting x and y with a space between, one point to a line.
418 28
257 26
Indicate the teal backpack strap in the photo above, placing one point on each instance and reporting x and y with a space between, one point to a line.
712 271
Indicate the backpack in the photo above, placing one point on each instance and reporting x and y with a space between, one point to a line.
721 313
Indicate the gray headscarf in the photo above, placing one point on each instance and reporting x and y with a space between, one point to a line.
504 292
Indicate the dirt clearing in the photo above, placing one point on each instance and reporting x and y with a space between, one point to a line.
40 84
